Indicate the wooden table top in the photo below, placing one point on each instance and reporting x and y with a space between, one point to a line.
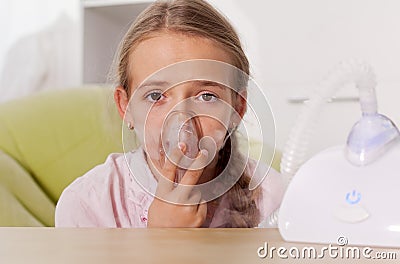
171 245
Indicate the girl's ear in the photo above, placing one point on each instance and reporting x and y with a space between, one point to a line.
241 102
240 106
121 99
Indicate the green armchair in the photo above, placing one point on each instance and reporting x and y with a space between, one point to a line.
46 141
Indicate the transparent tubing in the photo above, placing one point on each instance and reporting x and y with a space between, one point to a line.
296 148
295 151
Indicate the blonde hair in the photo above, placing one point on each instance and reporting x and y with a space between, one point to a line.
191 17
200 19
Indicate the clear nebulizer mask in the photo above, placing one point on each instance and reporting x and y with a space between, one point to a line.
181 127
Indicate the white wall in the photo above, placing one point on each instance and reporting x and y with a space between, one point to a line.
292 45
40 46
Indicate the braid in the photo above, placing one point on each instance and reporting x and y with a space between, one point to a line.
242 209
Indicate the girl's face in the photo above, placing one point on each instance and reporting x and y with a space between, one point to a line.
151 102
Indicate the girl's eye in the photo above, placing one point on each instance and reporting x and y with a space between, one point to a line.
207 97
154 96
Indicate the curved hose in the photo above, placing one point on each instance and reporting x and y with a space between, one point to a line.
296 149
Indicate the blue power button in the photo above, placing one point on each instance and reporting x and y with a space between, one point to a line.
353 197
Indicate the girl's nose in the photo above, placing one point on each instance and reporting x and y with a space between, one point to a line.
183 105
183 98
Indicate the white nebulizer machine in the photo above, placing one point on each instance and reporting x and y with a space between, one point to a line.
349 191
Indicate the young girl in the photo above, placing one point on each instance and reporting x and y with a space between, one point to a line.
167 33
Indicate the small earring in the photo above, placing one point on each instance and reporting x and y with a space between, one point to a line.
130 126
233 126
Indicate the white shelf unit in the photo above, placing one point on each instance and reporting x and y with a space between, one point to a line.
104 25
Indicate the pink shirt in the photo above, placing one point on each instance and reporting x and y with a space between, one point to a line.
109 196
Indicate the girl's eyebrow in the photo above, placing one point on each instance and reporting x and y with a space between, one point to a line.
211 83
166 84
154 84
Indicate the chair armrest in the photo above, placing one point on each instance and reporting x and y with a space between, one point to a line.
22 201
